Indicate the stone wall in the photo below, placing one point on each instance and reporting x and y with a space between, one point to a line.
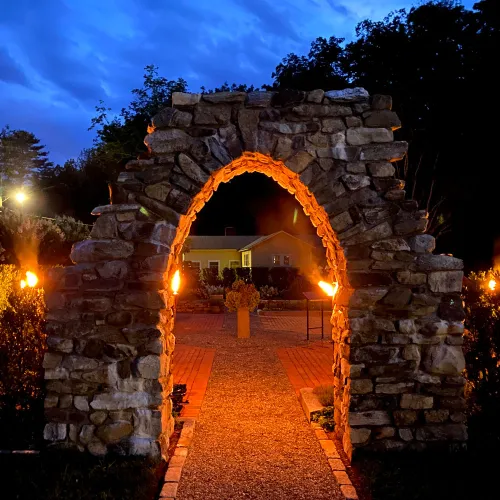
397 320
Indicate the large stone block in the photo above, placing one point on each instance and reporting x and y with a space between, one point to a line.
452 432
444 359
148 366
355 94
114 432
168 141
382 118
124 400
171 117
369 418
391 151
211 114
321 111
360 435
416 401
446 281
259 99
98 250
363 135
185 99
225 97
422 243
429 262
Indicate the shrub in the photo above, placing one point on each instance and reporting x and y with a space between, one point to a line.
260 276
282 277
228 277
244 274
324 394
297 287
191 277
215 290
22 346
242 295
29 240
482 348
211 277
268 292
325 418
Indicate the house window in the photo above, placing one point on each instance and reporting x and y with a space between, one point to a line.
214 265
195 264
286 260
234 264
246 259
276 260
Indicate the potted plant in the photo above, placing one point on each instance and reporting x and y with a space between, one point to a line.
242 298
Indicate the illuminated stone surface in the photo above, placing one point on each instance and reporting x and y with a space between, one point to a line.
111 318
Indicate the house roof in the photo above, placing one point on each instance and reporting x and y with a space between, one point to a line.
261 239
220 242
242 243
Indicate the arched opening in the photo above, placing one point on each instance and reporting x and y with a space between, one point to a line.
336 263
111 315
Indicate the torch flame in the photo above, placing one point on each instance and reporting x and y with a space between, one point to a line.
329 289
492 284
176 282
31 280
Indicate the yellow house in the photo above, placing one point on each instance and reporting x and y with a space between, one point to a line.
279 249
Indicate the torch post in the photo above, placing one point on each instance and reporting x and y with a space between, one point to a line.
314 297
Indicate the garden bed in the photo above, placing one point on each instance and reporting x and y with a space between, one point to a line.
204 306
77 476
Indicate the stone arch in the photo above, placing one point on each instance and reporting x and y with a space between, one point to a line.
397 322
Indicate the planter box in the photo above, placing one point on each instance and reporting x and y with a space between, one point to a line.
217 297
200 306
309 402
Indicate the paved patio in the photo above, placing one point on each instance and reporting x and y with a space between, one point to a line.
252 440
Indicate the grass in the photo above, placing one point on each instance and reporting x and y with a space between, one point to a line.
77 476
324 394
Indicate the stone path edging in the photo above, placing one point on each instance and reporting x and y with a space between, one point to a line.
176 462
310 404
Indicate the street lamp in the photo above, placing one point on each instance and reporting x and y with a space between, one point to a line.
20 197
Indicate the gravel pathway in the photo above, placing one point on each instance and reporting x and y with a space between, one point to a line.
252 440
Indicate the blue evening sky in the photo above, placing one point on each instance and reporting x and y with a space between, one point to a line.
59 57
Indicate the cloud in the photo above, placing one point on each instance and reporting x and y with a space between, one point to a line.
10 70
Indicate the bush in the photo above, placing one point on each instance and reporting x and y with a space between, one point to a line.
325 418
324 394
297 288
228 277
211 277
268 292
242 295
260 276
215 290
191 277
482 349
29 240
282 277
22 346
244 274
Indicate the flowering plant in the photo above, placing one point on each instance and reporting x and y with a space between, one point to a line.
242 294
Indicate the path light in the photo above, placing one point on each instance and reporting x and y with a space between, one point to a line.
31 280
20 197
329 289
176 282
